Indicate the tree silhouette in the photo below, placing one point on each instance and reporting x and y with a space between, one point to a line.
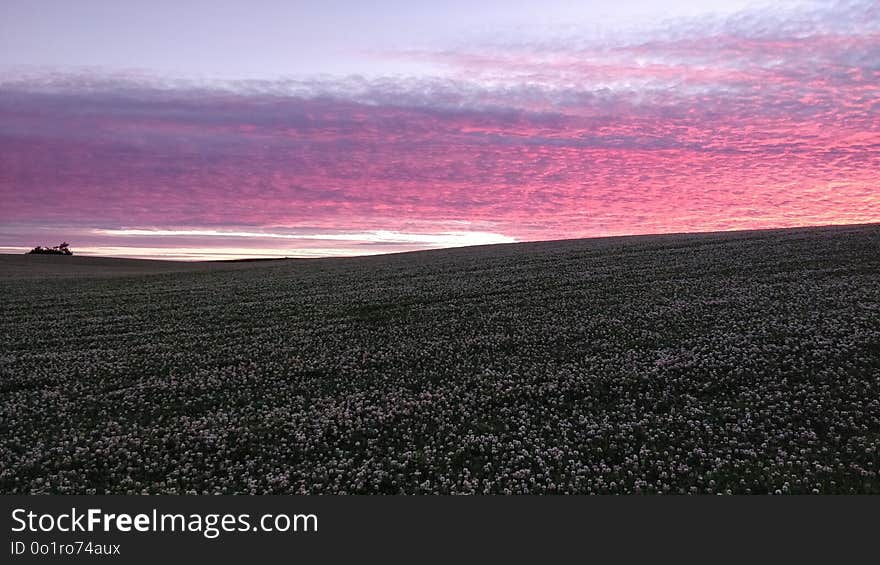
61 249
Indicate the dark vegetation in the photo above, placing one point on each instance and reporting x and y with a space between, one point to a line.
60 249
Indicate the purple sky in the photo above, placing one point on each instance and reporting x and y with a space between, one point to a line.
220 129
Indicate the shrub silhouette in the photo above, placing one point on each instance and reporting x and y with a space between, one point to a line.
61 249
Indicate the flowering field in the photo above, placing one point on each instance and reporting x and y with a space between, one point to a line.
726 363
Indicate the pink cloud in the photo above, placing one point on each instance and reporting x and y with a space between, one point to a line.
722 131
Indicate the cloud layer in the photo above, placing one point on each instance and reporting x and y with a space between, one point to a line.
762 120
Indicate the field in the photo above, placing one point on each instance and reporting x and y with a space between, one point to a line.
745 362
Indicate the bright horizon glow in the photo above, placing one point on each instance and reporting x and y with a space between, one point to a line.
331 129
446 239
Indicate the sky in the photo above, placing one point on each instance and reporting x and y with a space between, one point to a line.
216 130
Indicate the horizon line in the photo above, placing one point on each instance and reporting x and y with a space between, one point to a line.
4 250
